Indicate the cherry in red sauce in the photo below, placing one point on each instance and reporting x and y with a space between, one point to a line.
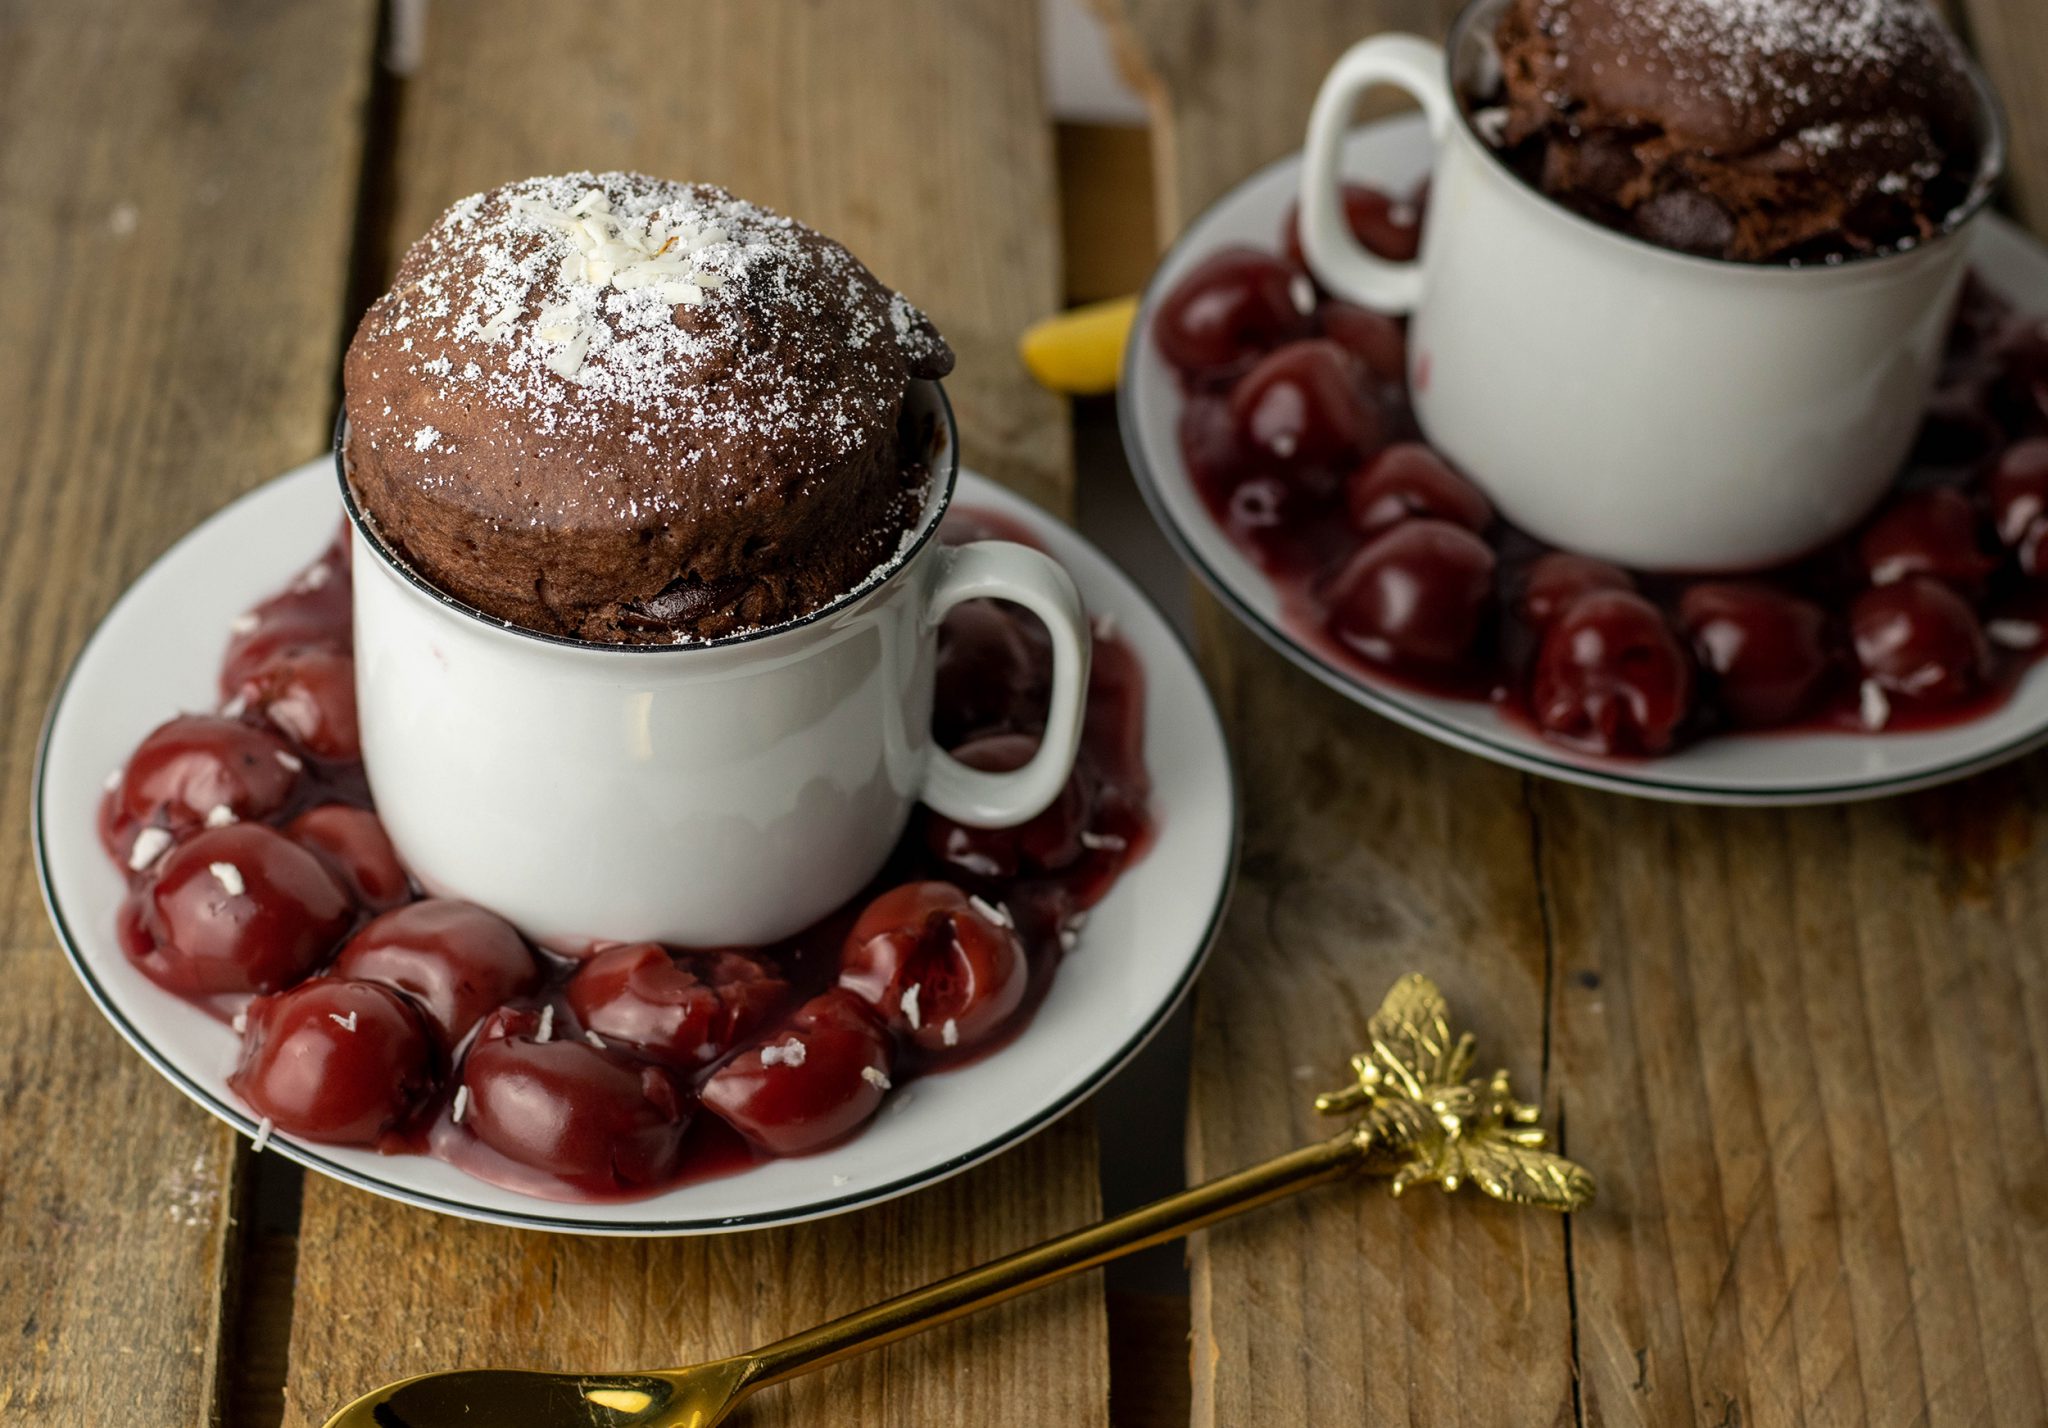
195 768
240 909
1766 651
353 843
1417 594
2019 504
1555 581
813 1082
1048 843
1376 340
309 695
456 961
1387 226
312 615
684 1009
335 1060
991 664
1927 532
1408 479
1233 306
1611 677
1302 413
1919 641
944 970
592 1117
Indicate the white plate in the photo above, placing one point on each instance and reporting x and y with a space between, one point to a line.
156 652
1767 768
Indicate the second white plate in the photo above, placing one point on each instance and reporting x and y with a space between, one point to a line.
1766 768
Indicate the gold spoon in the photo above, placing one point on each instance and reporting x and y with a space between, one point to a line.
1422 1120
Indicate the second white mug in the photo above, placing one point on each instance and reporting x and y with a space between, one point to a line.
1666 411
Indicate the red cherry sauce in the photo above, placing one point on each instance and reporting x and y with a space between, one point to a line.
263 889
1299 439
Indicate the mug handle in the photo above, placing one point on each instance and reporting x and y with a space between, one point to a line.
1338 260
1004 570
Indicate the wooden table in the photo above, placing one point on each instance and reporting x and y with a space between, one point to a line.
1806 1052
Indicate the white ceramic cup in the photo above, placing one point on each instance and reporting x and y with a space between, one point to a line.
1666 411
724 793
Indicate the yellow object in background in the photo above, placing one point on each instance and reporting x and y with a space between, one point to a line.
1080 352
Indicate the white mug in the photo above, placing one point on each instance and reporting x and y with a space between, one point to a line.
724 793
1646 406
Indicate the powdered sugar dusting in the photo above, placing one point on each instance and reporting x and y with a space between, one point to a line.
607 303
1772 55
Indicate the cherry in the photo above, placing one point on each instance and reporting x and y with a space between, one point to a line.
1918 640
1611 678
1767 650
1211 445
354 845
240 909
1389 227
1375 339
1045 844
992 668
310 694
591 1116
313 614
814 1081
1232 306
335 1060
685 1009
2019 504
944 970
1301 412
454 959
1416 594
1556 579
1408 479
1932 531
200 766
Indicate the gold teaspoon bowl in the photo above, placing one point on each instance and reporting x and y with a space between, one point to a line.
1421 1118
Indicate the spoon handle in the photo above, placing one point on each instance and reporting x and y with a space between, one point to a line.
1071 1253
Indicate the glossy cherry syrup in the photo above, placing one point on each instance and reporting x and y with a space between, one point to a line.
1296 431
263 888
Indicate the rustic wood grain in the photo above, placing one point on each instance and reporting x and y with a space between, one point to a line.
1804 1049
916 134
176 183
2011 41
1368 852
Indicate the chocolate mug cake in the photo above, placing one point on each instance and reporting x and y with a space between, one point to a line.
1752 130
624 410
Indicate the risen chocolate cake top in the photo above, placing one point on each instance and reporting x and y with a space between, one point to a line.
621 408
1746 128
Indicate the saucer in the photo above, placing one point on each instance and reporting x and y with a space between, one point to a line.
1778 767
155 654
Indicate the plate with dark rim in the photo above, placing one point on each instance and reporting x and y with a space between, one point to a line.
1770 768
155 653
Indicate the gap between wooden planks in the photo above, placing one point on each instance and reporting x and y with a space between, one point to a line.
915 134
1802 1050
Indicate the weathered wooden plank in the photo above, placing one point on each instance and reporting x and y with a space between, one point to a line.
2011 40
1368 852
178 183
915 134
1806 1046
